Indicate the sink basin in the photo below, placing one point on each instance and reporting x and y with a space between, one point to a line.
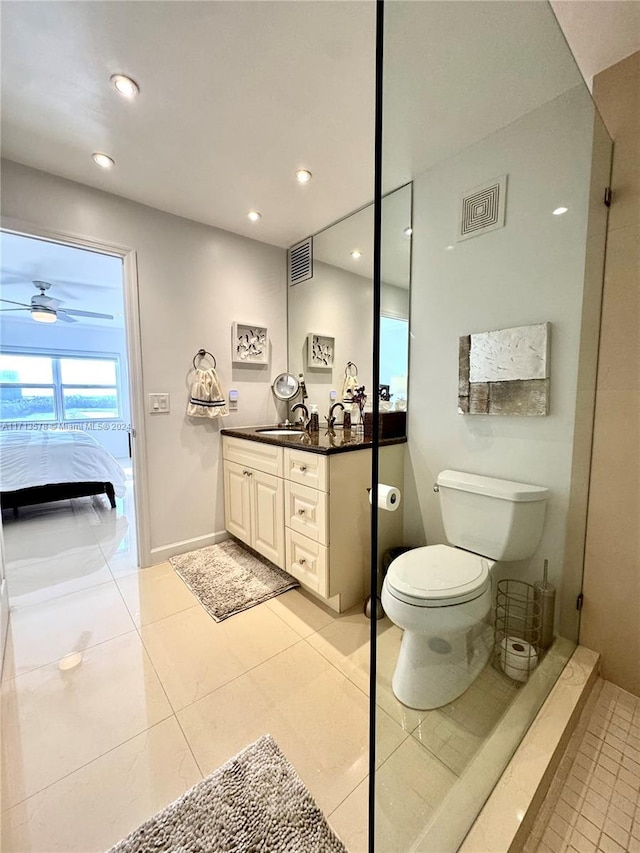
281 431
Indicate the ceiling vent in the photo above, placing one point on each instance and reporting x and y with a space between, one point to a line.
301 262
482 209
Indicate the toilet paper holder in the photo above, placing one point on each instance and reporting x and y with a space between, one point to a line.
517 626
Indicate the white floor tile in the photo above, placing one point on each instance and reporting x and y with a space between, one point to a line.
45 632
94 807
316 715
56 720
194 655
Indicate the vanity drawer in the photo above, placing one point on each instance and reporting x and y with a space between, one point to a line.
306 511
308 469
254 454
308 562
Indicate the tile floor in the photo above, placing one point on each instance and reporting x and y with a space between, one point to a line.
593 803
119 692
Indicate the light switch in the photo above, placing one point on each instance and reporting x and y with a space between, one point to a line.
233 400
159 404
332 395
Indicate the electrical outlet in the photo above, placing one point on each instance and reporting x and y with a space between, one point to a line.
332 395
233 400
159 404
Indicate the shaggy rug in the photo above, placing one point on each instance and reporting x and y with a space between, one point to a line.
227 578
255 803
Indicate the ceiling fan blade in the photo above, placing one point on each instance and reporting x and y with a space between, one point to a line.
11 302
49 302
5 310
86 314
62 316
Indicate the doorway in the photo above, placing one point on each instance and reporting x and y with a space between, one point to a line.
69 503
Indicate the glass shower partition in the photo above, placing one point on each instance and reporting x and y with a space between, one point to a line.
485 114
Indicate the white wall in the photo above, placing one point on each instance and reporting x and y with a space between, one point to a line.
338 303
531 271
194 281
394 301
83 339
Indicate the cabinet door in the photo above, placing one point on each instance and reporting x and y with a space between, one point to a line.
267 516
237 501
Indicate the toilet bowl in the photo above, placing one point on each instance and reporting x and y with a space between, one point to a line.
440 595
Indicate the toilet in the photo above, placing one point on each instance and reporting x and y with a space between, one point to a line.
441 594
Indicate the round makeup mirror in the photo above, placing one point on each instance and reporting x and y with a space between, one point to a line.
285 386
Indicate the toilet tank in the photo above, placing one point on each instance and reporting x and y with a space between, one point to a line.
500 519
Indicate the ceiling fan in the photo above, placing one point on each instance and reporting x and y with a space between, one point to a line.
46 309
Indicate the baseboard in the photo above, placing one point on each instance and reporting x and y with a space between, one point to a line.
159 555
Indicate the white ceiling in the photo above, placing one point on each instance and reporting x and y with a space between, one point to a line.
82 280
335 244
600 32
237 95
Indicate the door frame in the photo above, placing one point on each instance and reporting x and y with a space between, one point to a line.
134 359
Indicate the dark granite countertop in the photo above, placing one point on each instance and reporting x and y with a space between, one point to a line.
325 441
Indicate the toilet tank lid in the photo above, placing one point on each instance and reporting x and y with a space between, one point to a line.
506 490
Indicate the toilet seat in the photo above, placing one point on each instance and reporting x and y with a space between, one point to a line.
438 576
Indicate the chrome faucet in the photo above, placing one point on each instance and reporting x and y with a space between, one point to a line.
332 419
305 413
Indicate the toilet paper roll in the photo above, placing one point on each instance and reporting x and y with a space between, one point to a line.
388 497
518 658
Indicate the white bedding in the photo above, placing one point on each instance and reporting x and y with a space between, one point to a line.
31 458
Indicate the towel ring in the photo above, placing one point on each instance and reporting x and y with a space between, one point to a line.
201 354
351 366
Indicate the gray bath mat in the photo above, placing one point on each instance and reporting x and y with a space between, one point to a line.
227 578
255 803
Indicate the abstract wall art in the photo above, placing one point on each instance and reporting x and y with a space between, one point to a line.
320 351
505 372
249 344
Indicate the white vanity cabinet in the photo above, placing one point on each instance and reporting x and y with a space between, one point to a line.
254 496
308 513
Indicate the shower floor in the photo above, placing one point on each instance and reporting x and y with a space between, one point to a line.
593 803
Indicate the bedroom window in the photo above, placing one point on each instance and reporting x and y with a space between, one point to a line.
38 388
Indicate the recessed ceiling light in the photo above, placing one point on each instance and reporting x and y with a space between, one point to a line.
450 248
408 232
254 216
124 85
103 160
356 254
303 176
559 211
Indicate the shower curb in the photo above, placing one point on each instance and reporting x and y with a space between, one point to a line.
505 821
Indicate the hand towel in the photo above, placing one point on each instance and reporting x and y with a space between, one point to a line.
207 399
350 385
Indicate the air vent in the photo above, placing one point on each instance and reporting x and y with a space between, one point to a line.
301 262
482 209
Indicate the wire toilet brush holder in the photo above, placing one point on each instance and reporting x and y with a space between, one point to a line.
516 644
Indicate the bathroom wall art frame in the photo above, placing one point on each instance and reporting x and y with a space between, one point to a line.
249 344
320 351
505 372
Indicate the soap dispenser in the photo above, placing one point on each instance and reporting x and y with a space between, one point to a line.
314 421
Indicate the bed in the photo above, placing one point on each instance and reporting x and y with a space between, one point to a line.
38 466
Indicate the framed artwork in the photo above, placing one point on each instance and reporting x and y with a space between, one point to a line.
504 372
249 344
320 351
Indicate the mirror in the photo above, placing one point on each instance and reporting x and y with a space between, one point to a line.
285 387
330 316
